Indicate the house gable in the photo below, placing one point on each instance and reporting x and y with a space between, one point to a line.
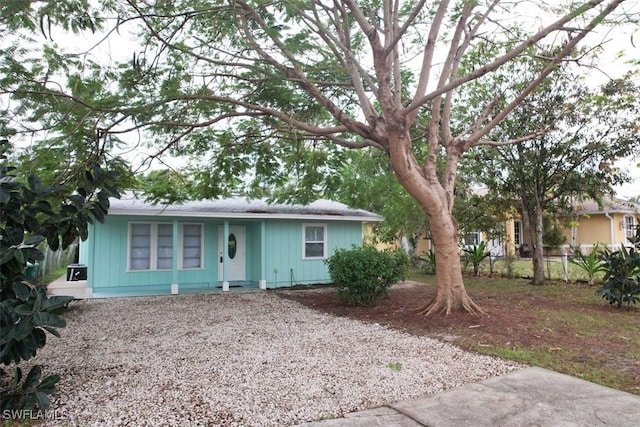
607 223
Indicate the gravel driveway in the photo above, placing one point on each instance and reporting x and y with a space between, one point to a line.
250 359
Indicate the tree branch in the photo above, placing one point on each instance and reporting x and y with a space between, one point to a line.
565 51
556 26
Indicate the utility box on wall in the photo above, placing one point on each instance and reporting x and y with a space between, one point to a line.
76 272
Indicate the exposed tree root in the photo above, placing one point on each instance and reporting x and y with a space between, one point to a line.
446 306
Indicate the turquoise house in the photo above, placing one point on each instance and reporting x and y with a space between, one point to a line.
146 249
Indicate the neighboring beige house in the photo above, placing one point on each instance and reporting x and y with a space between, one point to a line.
609 224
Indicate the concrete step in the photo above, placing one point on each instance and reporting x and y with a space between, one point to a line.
77 289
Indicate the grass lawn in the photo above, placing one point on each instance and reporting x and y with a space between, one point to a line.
563 326
553 269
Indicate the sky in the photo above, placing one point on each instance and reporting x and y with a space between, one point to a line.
613 66
119 47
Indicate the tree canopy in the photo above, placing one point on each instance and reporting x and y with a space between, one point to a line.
582 132
257 88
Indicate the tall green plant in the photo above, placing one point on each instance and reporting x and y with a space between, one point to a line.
28 218
475 255
591 264
429 259
622 274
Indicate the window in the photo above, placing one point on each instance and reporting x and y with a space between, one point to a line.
191 246
314 238
517 233
629 227
472 239
150 246
165 247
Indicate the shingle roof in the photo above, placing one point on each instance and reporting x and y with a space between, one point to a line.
608 205
239 207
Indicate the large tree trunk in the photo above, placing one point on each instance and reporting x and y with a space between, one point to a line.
436 199
451 294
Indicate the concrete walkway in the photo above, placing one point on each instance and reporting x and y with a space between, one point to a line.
528 397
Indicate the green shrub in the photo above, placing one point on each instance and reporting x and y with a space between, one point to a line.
32 214
622 274
591 264
429 261
363 274
475 255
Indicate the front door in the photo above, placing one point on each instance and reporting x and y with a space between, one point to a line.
236 251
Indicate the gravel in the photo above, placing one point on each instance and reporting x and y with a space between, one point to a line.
238 359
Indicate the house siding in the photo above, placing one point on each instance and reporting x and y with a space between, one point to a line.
590 230
286 266
597 228
106 254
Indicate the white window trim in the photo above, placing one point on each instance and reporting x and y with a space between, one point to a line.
324 243
153 252
517 236
629 232
478 235
181 246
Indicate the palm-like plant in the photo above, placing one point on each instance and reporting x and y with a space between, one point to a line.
429 259
591 263
475 255
622 274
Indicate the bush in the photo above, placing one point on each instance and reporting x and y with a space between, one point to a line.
475 255
429 259
364 274
591 264
622 274
29 218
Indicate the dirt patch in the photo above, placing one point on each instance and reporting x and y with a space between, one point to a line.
560 327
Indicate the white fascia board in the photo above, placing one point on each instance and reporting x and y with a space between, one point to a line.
229 215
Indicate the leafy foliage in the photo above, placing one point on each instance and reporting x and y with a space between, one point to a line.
622 274
591 263
475 255
429 259
30 393
553 232
28 218
364 274
367 182
572 136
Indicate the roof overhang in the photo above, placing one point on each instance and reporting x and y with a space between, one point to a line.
245 209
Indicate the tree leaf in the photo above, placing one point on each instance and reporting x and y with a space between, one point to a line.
43 318
32 379
34 240
56 302
35 183
48 383
23 328
22 290
13 235
8 255
24 309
